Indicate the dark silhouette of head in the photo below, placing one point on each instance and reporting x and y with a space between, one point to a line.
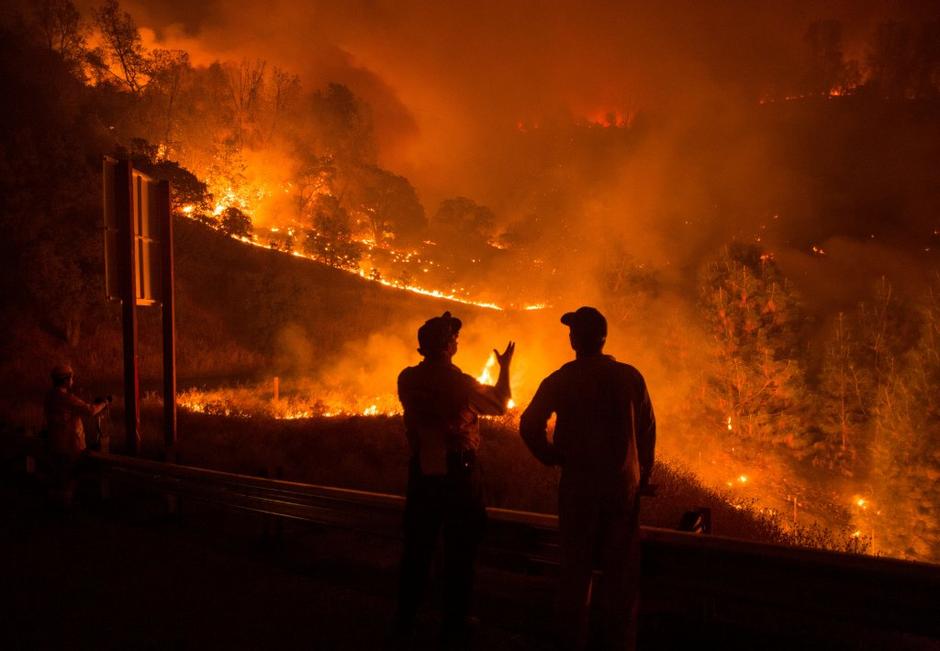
437 338
62 375
588 330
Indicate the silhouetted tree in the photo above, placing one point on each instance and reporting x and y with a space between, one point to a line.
245 93
330 239
185 188
285 90
463 225
234 222
59 26
828 70
169 68
523 234
123 46
343 125
387 204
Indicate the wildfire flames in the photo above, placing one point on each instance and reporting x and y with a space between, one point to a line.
456 295
305 401
667 169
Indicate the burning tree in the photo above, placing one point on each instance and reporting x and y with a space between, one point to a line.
752 316
462 225
234 222
330 239
386 204
827 70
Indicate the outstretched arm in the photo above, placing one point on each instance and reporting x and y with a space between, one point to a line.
493 400
533 426
85 408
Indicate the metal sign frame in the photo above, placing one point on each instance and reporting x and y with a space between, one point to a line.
138 243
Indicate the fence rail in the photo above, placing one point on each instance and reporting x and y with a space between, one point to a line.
775 590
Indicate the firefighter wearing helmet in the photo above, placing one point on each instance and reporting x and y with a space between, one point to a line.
66 432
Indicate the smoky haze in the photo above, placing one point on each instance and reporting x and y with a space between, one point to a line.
726 181
478 100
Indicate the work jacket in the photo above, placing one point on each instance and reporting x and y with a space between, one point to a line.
63 414
605 430
442 406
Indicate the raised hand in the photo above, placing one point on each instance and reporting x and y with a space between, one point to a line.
506 357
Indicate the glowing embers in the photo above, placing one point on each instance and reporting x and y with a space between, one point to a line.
305 400
611 119
454 295
298 399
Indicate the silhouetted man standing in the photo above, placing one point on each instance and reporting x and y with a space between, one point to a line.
605 433
442 405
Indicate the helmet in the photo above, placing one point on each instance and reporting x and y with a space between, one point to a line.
62 372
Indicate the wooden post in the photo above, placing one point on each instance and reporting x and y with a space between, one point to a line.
123 196
169 322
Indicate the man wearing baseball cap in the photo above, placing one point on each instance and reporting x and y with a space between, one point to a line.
605 433
442 406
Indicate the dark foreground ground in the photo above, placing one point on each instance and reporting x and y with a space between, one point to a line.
125 575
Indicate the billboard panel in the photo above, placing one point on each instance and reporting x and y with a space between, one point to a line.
147 205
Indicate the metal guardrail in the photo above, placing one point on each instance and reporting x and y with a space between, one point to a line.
772 589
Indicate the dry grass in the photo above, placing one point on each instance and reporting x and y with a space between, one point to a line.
370 453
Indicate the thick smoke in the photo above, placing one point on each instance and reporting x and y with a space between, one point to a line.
451 84
625 142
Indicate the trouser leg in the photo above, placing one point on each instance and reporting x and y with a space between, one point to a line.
618 590
578 526
463 531
421 525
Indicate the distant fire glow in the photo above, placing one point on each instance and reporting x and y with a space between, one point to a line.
745 194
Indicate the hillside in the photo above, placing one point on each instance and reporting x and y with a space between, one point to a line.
242 312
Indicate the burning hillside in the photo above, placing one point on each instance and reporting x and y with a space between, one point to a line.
751 198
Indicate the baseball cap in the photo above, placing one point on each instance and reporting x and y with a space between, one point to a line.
586 322
437 332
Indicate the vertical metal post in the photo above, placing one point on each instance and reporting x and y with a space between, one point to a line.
123 196
169 322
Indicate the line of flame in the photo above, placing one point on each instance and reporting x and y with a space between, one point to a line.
415 289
